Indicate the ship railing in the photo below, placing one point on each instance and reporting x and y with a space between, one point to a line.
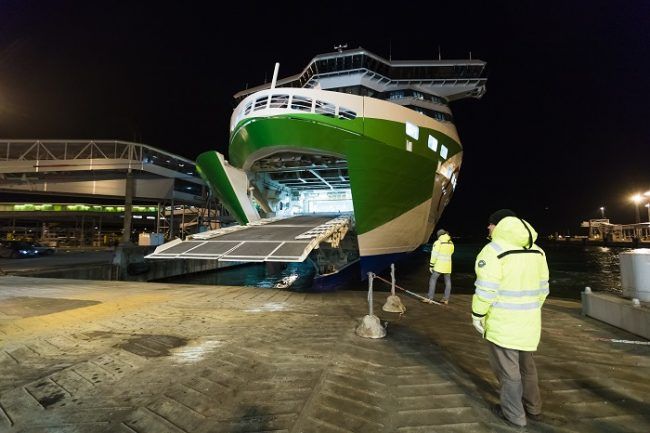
286 100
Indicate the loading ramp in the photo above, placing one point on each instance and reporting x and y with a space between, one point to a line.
268 240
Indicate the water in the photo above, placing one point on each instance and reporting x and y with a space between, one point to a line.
262 275
572 268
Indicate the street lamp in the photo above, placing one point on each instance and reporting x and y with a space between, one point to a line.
636 198
602 212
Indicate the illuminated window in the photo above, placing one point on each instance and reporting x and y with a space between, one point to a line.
409 146
443 151
412 130
433 143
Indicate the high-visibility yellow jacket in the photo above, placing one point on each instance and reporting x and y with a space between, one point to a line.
441 253
511 286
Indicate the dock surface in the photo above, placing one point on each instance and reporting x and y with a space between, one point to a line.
106 356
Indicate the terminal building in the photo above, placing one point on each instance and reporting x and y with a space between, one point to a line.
87 192
602 230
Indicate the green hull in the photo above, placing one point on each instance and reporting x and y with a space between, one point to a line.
395 195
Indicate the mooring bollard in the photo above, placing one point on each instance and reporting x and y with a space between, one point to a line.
370 326
393 302
370 281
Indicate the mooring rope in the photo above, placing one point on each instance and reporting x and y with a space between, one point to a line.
615 340
427 300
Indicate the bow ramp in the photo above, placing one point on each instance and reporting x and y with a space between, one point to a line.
267 240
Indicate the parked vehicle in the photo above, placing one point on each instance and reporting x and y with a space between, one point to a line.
43 250
17 249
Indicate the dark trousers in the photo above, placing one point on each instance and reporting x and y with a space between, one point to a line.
433 280
517 375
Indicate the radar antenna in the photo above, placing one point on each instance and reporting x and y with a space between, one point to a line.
340 47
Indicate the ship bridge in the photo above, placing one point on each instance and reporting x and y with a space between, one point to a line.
360 71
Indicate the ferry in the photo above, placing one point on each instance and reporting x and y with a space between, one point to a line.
351 134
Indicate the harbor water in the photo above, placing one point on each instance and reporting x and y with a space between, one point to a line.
572 268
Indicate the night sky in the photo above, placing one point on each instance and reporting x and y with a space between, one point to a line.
563 129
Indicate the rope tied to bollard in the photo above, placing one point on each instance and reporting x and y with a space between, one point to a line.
370 326
427 300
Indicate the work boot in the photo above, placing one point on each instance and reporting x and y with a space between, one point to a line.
537 417
427 300
496 410
444 301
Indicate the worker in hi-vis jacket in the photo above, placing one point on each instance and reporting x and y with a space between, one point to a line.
511 286
440 263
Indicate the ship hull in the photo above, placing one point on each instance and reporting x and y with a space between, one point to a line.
399 183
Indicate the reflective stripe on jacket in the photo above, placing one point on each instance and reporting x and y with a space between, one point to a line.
441 253
511 286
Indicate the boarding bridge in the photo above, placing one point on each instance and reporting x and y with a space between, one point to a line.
267 240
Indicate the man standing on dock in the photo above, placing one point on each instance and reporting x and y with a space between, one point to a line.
511 286
440 263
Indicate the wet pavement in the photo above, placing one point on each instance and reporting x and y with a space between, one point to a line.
62 259
105 356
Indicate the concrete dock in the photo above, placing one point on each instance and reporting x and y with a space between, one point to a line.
106 356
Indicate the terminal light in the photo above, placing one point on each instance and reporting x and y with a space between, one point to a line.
636 198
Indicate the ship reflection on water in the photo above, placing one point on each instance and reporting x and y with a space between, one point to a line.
291 276
572 268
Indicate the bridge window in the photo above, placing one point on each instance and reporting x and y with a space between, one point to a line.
261 103
248 108
438 115
279 101
325 108
346 114
443 151
437 99
301 103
